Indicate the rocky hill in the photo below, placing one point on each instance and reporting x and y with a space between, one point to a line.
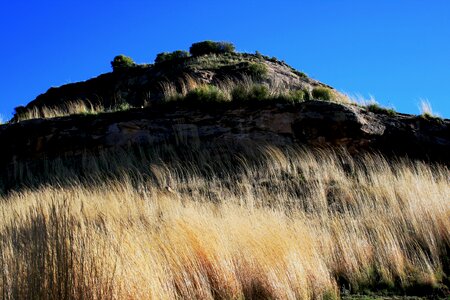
223 97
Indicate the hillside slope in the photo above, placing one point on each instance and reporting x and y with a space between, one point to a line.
142 85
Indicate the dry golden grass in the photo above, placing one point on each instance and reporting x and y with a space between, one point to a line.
295 225
65 109
176 91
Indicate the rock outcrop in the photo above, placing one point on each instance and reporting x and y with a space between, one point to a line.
315 123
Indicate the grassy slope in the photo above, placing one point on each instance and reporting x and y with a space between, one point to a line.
292 225
234 77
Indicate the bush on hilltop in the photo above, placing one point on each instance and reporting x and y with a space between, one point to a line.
209 47
175 55
121 61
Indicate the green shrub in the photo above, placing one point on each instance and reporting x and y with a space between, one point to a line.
208 47
376 108
295 96
166 56
257 70
122 62
322 93
205 94
254 93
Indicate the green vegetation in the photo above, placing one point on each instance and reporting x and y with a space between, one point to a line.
205 94
238 92
257 70
376 108
122 62
294 96
430 117
322 93
120 107
427 112
215 61
172 56
256 92
209 47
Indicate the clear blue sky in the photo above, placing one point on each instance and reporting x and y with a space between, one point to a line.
396 50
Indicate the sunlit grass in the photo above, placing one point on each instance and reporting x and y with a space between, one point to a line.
426 111
65 109
294 225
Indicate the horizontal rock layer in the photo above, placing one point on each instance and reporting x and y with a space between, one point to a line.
315 123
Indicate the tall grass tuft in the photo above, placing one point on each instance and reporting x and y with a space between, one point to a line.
426 111
69 108
65 109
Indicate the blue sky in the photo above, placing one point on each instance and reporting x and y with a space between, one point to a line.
397 51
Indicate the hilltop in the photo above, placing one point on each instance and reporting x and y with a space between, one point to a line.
178 73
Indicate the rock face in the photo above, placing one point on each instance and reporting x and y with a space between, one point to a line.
315 123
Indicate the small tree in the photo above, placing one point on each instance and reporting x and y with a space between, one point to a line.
121 62
208 47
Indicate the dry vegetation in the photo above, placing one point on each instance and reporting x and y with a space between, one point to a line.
245 88
65 109
290 225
